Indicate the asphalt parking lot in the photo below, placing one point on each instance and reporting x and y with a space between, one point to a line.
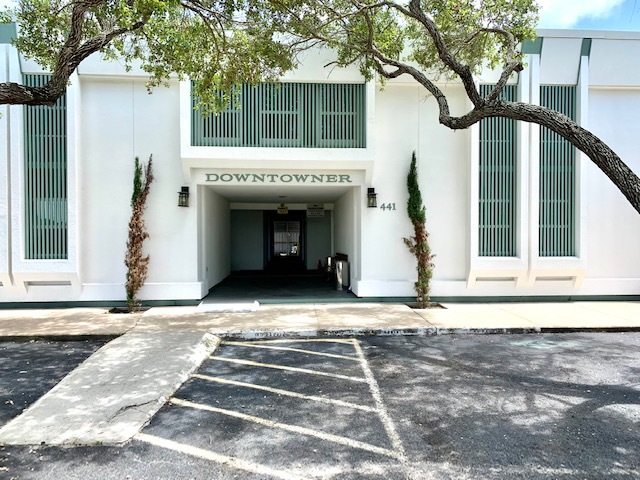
315 404
29 369
450 407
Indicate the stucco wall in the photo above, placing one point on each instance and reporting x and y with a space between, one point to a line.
247 237
614 226
344 225
217 237
121 121
318 239
443 166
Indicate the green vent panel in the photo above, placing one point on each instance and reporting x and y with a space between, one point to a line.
45 177
498 182
557 178
306 115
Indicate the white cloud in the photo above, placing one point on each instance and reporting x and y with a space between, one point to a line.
566 13
7 3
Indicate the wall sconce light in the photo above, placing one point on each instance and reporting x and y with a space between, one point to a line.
183 197
372 202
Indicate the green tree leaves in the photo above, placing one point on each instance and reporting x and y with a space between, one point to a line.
215 43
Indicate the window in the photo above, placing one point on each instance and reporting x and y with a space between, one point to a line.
280 115
45 177
286 238
306 115
498 182
556 234
341 114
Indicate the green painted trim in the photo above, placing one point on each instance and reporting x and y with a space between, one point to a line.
194 302
585 50
532 47
540 299
7 32
96 304
497 299
354 299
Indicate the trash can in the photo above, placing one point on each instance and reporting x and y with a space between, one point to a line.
329 264
342 274
329 273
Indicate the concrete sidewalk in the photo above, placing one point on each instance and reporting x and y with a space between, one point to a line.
316 318
114 393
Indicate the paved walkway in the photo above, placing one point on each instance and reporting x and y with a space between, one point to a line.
114 393
308 319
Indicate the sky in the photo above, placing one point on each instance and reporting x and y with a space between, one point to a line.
621 15
581 14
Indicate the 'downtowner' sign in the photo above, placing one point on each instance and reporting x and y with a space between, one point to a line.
297 178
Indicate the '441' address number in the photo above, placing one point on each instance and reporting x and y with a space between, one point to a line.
388 206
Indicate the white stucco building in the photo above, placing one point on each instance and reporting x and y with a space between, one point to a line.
511 210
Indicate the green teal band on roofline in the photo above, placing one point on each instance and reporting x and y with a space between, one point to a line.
532 47
585 50
7 32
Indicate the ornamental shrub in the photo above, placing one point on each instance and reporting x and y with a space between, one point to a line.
137 264
419 243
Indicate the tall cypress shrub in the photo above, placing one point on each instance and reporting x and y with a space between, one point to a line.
137 264
419 243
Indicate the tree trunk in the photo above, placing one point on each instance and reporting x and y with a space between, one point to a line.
15 94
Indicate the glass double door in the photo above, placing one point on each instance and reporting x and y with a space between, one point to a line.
286 242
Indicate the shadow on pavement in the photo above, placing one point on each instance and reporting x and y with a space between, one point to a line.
29 369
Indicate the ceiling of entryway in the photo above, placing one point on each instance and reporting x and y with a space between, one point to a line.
275 194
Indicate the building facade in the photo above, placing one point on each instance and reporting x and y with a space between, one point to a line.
280 179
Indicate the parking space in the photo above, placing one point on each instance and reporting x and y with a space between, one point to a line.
314 404
406 407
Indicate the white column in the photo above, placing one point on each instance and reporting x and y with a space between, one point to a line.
534 167
5 185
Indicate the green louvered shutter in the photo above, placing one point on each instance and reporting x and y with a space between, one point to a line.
294 115
342 115
45 177
557 178
498 182
223 129
280 114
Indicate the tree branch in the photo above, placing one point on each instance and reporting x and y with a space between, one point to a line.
71 54
598 151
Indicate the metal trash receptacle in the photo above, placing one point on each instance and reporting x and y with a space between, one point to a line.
342 274
328 264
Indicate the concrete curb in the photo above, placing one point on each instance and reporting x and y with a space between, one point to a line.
408 331
344 332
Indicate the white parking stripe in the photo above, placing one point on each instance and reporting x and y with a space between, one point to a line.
291 369
377 397
303 340
216 457
290 428
289 349
287 393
